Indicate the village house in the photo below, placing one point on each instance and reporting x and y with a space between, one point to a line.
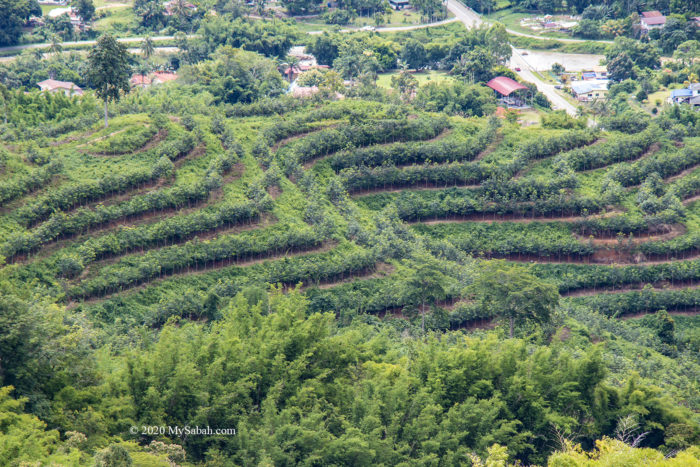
66 87
158 77
688 95
586 91
399 4
652 20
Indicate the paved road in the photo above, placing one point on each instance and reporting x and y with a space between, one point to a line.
526 73
395 28
472 19
127 40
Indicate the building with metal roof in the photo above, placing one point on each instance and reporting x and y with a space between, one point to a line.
504 85
590 90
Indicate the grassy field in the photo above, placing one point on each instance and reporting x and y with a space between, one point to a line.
118 20
512 20
384 79
393 19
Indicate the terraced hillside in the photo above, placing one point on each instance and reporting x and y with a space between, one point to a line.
344 199
182 230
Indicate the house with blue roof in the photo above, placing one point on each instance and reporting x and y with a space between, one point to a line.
685 95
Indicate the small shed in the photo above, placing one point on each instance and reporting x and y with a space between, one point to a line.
505 87
399 4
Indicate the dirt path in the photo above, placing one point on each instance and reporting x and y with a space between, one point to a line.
426 187
675 230
512 218
657 286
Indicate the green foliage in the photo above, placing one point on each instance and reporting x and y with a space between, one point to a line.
512 293
14 14
456 98
234 76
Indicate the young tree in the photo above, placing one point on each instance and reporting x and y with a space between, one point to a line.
514 294
405 83
109 70
558 68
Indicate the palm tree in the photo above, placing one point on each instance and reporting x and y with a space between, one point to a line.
147 48
56 46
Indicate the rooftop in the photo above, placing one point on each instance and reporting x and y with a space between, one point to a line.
654 20
685 92
51 84
583 87
651 14
504 85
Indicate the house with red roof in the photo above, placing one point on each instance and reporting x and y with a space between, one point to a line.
158 77
652 20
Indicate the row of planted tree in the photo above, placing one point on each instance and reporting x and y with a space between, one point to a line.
196 255
61 224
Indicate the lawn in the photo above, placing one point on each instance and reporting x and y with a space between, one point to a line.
46 8
512 19
119 20
423 77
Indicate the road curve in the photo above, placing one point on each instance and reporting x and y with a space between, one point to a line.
472 19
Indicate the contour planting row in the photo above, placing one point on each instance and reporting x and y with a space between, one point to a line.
686 187
400 154
26 183
330 140
168 231
504 240
578 277
424 205
665 163
81 220
185 294
308 121
429 175
647 300
546 146
373 296
196 255
617 149
68 197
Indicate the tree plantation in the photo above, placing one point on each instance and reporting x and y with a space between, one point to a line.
209 273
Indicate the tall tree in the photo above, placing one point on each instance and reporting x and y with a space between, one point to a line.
56 46
413 54
13 14
109 70
512 293
147 48
425 282
86 9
